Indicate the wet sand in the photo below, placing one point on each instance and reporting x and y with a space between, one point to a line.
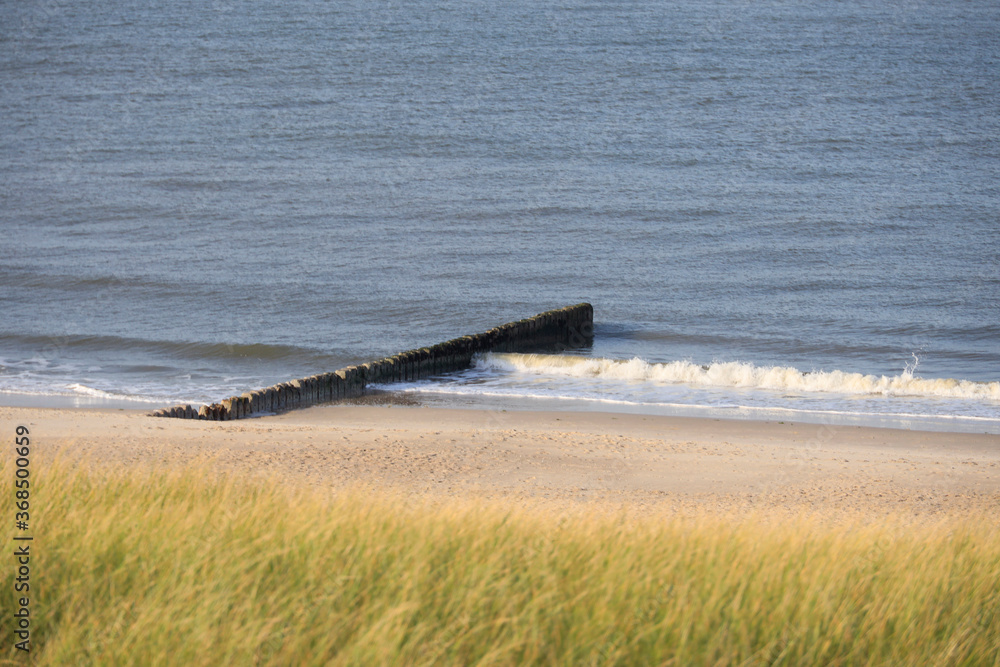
562 460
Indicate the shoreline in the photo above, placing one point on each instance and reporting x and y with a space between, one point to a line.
567 461
417 397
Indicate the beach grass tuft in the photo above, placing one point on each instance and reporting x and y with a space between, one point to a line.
183 568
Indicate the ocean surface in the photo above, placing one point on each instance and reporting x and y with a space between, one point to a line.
777 209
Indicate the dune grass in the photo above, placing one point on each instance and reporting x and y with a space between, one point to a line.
181 569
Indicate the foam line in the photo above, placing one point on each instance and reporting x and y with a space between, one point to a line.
737 374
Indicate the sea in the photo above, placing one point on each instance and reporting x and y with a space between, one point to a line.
778 209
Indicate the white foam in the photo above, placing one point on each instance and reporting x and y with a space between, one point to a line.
99 393
741 375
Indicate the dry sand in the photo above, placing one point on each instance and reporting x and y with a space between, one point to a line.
563 460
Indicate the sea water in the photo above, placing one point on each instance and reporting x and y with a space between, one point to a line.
775 208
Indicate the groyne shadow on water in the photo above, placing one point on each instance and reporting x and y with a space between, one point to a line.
565 328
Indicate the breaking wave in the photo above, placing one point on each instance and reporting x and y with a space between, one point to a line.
741 375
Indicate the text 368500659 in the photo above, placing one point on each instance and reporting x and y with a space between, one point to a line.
22 550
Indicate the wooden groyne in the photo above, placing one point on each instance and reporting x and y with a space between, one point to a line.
556 330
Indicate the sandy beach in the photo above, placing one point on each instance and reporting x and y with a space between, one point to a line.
563 460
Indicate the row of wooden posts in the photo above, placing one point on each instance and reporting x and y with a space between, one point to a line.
569 327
